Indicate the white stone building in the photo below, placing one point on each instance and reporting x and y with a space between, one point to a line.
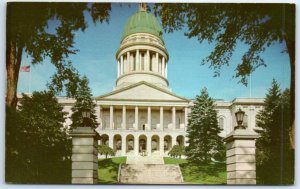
141 113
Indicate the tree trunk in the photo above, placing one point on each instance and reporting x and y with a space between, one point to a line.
13 62
291 50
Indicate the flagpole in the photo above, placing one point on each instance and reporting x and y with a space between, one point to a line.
250 85
29 81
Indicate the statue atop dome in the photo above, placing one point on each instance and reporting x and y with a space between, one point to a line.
143 7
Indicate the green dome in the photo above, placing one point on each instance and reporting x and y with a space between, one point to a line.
142 22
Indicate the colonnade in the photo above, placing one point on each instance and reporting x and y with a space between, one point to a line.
147 125
142 143
142 60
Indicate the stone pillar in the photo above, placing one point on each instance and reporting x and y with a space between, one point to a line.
149 119
84 156
136 145
186 118
163 64
118 68
137 60
136 118
173 141
97 112
147 62
123 147
124 118
111 141
240 156
131 62
157 62
149 146
128 62
161 145
173 117
122 65
161 124
166 71
111 117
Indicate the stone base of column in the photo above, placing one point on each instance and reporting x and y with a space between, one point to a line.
240 157
84 156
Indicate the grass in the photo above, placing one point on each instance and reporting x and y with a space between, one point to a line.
108 170
214 173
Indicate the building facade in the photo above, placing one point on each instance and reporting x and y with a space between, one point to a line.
142 115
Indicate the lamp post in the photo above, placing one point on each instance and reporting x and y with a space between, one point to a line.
86 113
239 115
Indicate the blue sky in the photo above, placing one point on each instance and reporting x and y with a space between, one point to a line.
98 44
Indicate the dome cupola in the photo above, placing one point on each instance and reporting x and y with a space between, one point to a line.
142 55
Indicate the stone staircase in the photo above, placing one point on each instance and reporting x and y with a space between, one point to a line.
150 174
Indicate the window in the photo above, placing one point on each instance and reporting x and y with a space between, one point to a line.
221 123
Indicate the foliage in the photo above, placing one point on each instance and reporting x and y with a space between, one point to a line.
227 24
106 150
47 30
38 148
108 170
84 101
274 156
177 151
203 130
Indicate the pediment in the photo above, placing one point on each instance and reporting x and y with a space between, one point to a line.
142 91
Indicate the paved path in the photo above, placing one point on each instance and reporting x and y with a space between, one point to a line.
152 159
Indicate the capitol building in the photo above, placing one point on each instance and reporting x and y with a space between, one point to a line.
142 114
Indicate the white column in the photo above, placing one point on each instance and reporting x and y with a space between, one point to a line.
111 117
100 117
161 118
153 63
166 71
131 62
123 147
157 63
163 66
118 68
128 62
122 65
136 122
136 145
137 58
161 145
173 141
149 146
97 112
124 118
149 119
147 61
173 117
185 118
111 141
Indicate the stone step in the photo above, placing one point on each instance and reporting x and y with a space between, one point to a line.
150 174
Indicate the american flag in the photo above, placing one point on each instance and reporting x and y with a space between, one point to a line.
25 69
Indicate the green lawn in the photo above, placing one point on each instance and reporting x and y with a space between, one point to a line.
108 169
214 173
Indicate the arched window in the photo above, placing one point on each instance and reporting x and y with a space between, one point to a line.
221 123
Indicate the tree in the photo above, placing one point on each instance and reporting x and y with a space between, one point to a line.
84 101
38 149
256 25
106 150
274 156
177 151
203 130
28 31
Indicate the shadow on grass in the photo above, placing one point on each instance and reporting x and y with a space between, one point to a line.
108 170
214 173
